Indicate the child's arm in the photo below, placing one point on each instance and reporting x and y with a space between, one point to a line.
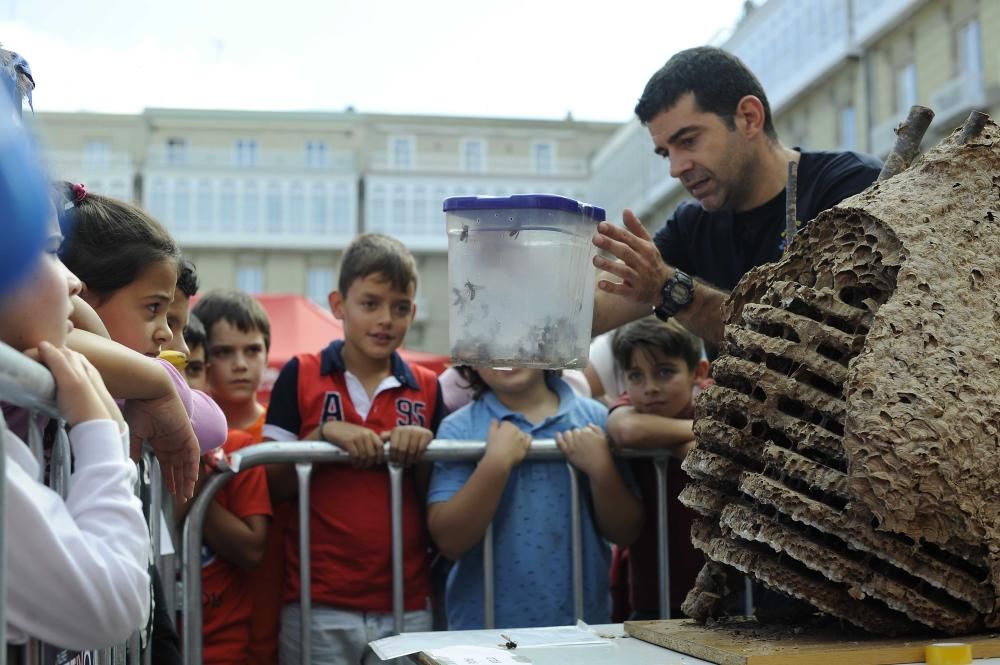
618 511
240 541
458 524
629 429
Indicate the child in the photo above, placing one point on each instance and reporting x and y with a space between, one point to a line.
178 312
662 366
238 337
130 267
528 504
357 394
194 338
76 567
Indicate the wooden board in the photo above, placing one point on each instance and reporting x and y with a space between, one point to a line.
748 643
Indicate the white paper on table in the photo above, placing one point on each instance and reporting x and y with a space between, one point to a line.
408 643
477 656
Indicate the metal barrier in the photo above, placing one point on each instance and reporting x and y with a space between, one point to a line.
303 454
29 385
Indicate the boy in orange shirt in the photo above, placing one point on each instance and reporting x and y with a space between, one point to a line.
237 338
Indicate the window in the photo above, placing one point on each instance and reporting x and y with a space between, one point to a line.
251 206
377 218
318 209
848 128
182 205
419 208
968 56
543 157
158 198
250 279
96 153
342 223
297 208
473 155
319 283
906 87
246 152
274 207
401 152
399 223
205 205
227 206
316 154
176 151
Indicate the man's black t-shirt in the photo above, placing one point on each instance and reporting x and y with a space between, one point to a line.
720 247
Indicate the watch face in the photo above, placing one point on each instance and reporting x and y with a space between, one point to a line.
680 293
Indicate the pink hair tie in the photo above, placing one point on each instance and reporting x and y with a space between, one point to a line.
79 193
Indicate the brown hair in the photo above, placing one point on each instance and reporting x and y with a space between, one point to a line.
109 243
372 253
235 308
670 338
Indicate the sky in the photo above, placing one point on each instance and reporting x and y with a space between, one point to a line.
504 58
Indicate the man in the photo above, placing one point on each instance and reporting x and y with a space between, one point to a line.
707 113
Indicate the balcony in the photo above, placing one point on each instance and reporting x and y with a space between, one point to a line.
883 135
953 101
224 159
492 166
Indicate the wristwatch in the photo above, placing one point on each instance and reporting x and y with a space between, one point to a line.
678 293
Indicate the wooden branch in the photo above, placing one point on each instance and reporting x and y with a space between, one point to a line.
973 125
791 196
908 137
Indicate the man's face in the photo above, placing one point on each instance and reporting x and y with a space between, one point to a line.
712 161
236 362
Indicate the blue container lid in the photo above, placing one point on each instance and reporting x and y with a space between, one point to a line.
526 201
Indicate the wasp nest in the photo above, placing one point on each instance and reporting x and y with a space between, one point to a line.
848 453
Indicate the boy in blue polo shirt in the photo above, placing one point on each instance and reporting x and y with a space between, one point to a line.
528 504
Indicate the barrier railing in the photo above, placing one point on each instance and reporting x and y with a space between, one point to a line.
304 454
28 385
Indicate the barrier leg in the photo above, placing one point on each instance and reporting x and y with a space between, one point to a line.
489 591
396 502
663 535
577 533
304 471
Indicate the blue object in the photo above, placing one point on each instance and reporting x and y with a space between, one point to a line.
24 198
524 201
532 540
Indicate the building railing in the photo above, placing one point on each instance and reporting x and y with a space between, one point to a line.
304 454
953 100
159 157
492 165
27 384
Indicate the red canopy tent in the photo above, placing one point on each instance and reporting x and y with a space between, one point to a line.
300 326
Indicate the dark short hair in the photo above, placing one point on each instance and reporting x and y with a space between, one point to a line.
194 333
374 253
187 278
478 387
109 243
669 338
718 80
235 308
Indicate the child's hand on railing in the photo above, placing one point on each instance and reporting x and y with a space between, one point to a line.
362 444
164 424
80 391
407 443
506 444
587 449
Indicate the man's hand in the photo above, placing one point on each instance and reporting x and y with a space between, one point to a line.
165 425
506 444
362 444
407 443
587 449
640 267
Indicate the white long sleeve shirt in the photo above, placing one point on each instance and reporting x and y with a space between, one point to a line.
76 568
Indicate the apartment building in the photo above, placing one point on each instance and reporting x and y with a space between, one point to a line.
267 201
839 74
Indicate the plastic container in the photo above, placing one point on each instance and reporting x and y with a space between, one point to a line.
521 280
